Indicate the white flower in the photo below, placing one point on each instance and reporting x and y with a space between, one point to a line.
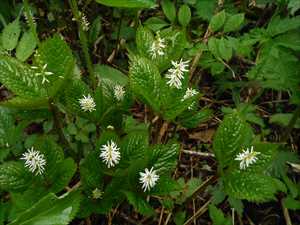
190 92
247 157
43 73
148 179
157 47
119 92
87 103
85 22
35 161
97 194
175 74
110 154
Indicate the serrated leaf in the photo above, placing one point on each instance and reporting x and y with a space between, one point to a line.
59 59
20 78
26 46
281 25
107 72
51 210
232 135
91 172
164 157
217 216
63 174
95 30
234 22
184 15
53 153
217 21
251 186
169 10
128 3
191 119
145 81
6 126
133 146
13 176
205 8
139 204
10 35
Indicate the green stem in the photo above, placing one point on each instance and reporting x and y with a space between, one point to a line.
291 124
59 128
3 20
31 22
83 42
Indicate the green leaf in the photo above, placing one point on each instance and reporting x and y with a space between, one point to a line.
26 46
283 119
91 172
281 25
225 49
51 210
234 22
217 216
95 30
128 3
184 15
133 146
251 186
179 217
14 176
169 10
155 23
20 78
145 81
6 126
205 8
139 204
232 135
58 56
110 73
164 157
193 119
10 35
293 6
54 155
63 174
217 21
276 68
291 203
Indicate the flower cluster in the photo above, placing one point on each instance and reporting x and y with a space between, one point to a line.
35 161
157 47
119 92
190 92
110 154
175 74
247 157
148 179
87 103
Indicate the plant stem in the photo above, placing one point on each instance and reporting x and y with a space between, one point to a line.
83 42
32 25
59 129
